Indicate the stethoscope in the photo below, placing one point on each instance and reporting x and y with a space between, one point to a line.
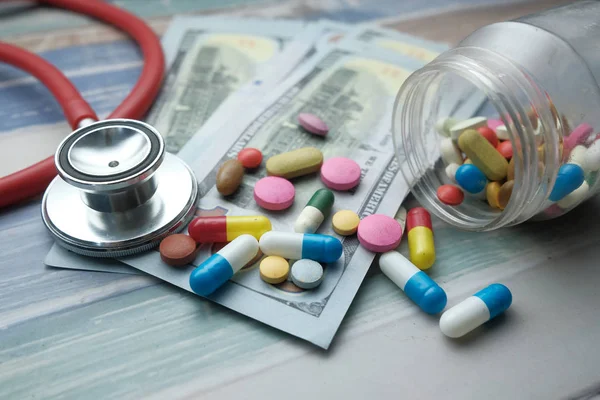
117 191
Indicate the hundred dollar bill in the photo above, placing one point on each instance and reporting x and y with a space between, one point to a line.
210 58
466 100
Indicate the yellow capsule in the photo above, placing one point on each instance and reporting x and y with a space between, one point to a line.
420 238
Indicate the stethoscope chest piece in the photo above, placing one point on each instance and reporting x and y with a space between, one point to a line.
118 193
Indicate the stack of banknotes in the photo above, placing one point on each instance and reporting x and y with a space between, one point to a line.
233 83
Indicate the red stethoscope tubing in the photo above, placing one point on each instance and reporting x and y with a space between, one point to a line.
33 180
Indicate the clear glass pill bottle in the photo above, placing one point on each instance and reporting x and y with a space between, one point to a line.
540 75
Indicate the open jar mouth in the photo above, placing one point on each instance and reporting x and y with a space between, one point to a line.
451 86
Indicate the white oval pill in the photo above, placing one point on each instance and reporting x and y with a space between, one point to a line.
592 157
307 274
443 125
502 132
577 156
451 171
471 123
450 152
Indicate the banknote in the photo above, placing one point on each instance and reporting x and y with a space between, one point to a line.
465 100
210 58
353 91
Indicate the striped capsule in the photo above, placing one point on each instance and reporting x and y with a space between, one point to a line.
315 212
416 284
223 229
420 238
217 269
296 246
475 310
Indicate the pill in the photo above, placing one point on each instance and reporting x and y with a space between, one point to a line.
229 177
296 246
510 172
492 192
274 269
313 124
451 171
575 197
345 222
316 210
504 194
569 178
274 193
250 157
225 229
450 152
340 173
443 125
505 148
295 163
494 123
177 249
502 133
592 157
468 161
489 134
379 233
473 123
470 178
578 136
475 310
450 195
218 268
420 238
416 284
307 274
577 156
483 155
401 217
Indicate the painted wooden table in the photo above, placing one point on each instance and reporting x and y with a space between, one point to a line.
71 334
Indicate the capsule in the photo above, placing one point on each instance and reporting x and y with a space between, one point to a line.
475 310
216 270
315 212
420 238
223 229
416 284
296 246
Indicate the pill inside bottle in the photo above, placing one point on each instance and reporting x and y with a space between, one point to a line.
499 119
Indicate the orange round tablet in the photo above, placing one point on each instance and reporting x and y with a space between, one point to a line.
250 157
177 250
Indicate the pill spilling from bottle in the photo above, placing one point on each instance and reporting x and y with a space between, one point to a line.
483 166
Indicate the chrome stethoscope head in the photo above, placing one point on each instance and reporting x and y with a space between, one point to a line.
118 193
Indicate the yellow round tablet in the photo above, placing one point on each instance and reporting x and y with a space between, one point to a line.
274 269
345 222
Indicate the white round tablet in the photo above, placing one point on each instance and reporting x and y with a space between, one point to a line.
307 274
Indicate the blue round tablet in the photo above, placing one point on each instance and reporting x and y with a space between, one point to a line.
569 178
470 178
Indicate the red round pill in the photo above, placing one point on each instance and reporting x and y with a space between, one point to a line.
489 134
250 157
505 148
450 194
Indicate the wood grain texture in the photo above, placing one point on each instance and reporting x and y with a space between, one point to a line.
72 334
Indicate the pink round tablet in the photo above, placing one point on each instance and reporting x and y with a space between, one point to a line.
340 173
274 193
494 123
379 233
313 124
578 136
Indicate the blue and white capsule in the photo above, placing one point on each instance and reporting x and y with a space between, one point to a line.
296 246
221 266
475 310
416 284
